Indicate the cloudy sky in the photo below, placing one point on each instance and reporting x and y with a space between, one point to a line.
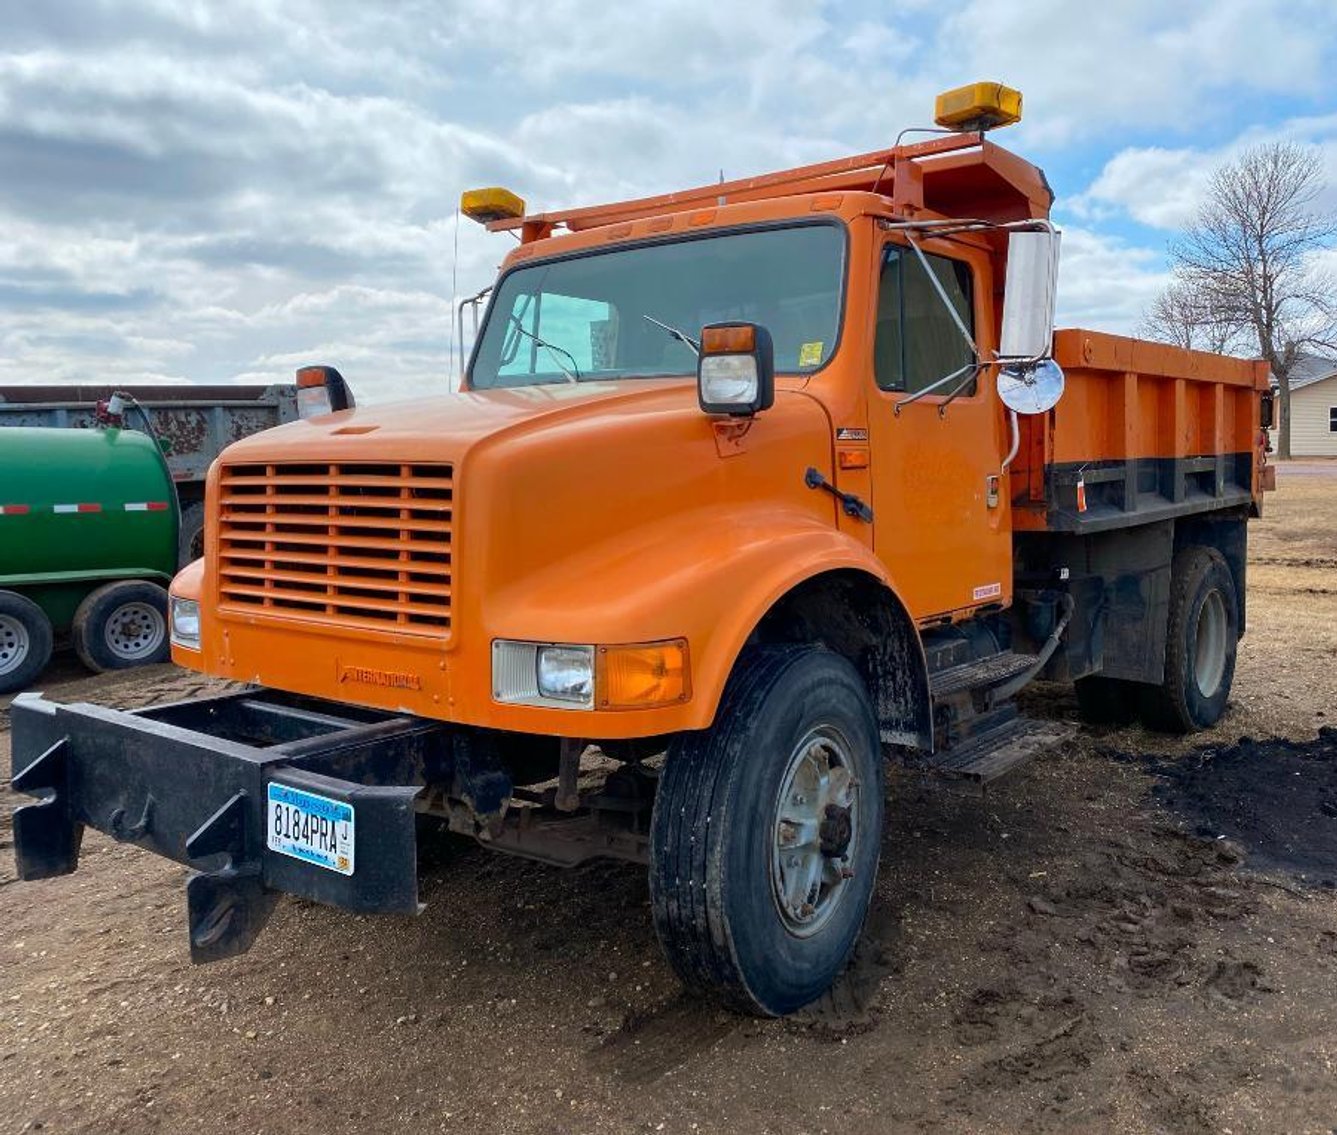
221 191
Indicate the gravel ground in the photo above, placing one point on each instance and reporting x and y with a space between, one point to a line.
1133 933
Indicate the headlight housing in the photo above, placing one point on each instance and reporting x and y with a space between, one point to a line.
185 622
565 676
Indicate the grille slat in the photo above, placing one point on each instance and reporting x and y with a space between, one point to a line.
359 545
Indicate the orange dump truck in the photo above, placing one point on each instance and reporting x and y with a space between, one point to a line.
752 488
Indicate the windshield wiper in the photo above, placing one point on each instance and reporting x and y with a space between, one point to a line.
572 375
681 336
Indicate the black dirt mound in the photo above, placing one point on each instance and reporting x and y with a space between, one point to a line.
1277 799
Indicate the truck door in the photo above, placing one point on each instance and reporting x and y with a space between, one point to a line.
940 504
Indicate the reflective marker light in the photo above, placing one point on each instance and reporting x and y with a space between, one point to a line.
186 623
566 673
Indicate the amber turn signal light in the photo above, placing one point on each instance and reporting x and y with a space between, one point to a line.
642 675
734 339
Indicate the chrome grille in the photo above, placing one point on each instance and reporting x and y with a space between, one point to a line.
360 545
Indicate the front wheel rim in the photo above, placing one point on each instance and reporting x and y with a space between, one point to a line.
134 631
14 644
1209 655
815 831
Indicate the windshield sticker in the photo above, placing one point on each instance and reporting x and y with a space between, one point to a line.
810 354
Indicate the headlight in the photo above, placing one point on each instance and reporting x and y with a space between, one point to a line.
728 380
543 674
186 622
566 673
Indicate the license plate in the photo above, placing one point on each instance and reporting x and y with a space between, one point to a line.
314 829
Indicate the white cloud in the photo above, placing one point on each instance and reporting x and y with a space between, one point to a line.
200 191
1105 284
1163 188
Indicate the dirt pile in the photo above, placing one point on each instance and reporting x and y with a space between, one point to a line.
1277 799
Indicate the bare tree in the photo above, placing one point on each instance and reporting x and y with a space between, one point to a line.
1183 316
1246 274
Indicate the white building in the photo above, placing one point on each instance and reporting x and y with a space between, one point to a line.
1314 407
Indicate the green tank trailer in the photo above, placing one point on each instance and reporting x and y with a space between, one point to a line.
89 526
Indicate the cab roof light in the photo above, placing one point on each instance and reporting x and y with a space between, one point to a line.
491 204
978 106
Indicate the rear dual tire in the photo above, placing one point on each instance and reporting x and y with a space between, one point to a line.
1200 645
1202 633
767 831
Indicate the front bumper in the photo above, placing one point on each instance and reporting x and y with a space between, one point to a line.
189 782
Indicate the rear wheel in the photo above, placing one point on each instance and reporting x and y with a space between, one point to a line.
767 830
1200 645
25 641
122 624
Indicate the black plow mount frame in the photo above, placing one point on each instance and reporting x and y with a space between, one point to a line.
188 781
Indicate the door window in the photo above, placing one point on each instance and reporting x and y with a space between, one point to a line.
918 342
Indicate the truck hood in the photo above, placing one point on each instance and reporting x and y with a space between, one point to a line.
449 425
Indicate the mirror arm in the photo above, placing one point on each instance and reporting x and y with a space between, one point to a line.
960 387
1016 441
946 300
969 370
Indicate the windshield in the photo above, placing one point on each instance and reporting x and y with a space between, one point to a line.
614 314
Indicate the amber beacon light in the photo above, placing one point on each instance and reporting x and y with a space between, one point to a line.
978 106
492 204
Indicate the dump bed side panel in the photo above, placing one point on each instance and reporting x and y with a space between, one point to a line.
1145 431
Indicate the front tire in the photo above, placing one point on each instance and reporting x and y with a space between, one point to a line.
767 831
122 624
1200 645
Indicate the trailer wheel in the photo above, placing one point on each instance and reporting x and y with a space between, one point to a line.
1201 638
122 624
1108 701
766 833
25 641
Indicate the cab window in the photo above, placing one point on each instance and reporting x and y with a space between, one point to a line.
918 343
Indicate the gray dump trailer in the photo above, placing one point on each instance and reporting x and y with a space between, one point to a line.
194 424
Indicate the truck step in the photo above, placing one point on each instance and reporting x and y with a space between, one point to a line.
986 756
980 674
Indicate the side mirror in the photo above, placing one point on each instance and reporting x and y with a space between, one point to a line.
1029 381
735 369
1029 296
